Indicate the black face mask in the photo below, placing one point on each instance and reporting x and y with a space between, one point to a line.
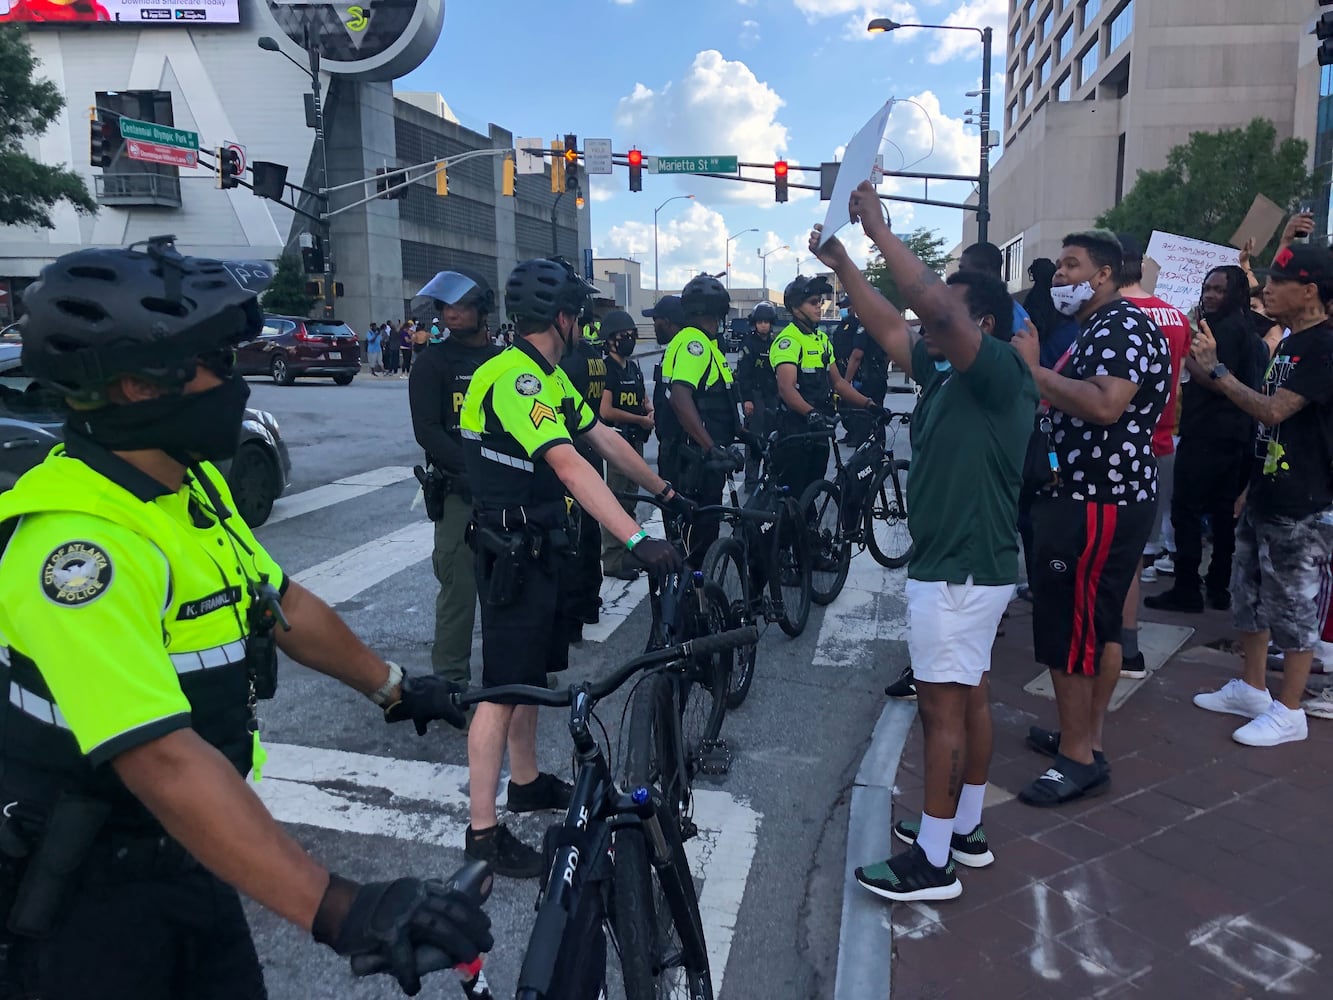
624 346
199 426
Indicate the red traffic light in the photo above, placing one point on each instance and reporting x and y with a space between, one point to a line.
780 168
635 158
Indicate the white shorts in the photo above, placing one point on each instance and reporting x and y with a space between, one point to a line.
951 628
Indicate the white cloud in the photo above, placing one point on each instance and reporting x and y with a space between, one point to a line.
747 3
602 188
749 33
947 45
718 108
929 139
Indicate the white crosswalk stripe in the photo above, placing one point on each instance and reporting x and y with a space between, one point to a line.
870 607
336 492
341 577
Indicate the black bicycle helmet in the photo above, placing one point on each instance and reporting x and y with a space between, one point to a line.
541 288
617 321
704 295
764 312
804 286
460 286
144 310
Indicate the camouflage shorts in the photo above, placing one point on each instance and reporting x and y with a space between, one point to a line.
1280 571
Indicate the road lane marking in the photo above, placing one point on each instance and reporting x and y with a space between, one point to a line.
871 606
342 577
422 801
348 488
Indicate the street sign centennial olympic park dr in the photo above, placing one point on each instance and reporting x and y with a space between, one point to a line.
161 135
692 164
367 40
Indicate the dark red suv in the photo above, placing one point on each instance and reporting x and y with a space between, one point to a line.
291 347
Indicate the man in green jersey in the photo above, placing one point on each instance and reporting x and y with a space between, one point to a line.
969 436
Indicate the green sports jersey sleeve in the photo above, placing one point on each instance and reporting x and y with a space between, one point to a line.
688 358
786 349
531 407
83 599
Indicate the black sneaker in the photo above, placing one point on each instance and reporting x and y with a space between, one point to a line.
505 853
909 876
547 792
1190 602
904 687
1134 667
970 849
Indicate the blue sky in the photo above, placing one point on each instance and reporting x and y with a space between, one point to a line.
755 78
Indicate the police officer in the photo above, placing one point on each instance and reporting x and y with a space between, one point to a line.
625 407
668 318
520 420
868 371
436 388
808 377
585 364
703 398
758 385
138 617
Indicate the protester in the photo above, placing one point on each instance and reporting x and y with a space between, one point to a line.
391 348
375 349
987 258
406 338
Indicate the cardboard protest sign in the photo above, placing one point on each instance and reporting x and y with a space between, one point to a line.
1184 264
1151 269
1259 224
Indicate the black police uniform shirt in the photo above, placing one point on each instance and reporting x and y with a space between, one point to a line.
123 618
628 391
1114 464
585 365
754 372
1293 469
436 389
873 371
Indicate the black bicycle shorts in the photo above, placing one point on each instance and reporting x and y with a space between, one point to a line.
524 640
1085 556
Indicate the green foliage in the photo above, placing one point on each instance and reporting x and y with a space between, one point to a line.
1209 182
30 189
928 246
286 294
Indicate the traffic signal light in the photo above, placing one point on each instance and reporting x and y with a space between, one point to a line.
99 143
228 167
1323 29
780 180
383 182
557 170
268 180
312 258
441 181
507 177
635 170
571 149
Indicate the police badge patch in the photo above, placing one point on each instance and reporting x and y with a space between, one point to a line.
76 573
528 384
695 348
784 343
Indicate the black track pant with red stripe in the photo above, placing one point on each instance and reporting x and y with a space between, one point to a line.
1085 556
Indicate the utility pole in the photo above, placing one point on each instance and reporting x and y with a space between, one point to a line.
983 175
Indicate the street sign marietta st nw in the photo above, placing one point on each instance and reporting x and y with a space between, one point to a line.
692 164
161 135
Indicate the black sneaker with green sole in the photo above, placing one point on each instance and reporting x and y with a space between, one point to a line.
970 849
910 876
505 853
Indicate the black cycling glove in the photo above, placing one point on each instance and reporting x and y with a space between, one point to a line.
426 698
660 557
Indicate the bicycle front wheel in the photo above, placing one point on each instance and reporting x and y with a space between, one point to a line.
887 536
789 570
724 564
657 925
703 687
830 552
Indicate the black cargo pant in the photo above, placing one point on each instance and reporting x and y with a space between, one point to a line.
1209 476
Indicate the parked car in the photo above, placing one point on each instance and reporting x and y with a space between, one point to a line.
290 347
31 420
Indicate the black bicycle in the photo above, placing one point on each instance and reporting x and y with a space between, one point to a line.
763 567
618 871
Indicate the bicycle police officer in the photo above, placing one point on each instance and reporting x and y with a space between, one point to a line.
758 385
520 420
668 318
807 377
436 388
625 407
703 398
137 612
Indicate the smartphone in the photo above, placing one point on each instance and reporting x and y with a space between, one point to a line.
1306 207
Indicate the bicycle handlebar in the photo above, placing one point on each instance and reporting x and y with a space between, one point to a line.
741 513
528 694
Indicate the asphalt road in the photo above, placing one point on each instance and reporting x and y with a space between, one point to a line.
375 802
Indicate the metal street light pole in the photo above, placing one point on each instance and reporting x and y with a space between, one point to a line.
728 250
763 257
657 285
884 24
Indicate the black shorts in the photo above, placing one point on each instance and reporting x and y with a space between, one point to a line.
1084 559
526 638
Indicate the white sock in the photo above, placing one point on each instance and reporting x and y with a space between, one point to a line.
969 808
934 839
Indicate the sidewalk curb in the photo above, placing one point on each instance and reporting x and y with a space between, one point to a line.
865 935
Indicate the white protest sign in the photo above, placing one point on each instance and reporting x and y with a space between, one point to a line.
1184 264
858 163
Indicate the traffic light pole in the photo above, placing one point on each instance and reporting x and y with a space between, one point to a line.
320 140
983 174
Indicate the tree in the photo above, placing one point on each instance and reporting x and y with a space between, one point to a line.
1209 182
286 293
926 244
30 189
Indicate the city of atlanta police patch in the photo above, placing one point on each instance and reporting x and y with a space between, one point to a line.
784 343
528 384
695 348
76 573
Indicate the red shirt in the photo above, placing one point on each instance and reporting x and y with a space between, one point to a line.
1175 327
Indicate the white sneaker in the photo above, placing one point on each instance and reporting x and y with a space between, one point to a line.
1278 725
1148 574
1236 697
1321 705
1166 565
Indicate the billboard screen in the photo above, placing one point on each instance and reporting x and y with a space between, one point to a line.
140 12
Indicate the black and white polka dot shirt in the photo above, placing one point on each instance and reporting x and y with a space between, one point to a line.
1114 464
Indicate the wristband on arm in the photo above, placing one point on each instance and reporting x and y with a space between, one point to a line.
635 539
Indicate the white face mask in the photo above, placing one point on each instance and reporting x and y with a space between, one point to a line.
1069 299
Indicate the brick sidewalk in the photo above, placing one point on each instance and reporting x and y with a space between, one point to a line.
1204 871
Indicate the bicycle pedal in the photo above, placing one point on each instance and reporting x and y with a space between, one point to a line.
688 829
714 757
